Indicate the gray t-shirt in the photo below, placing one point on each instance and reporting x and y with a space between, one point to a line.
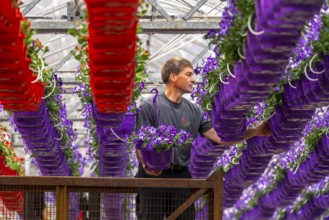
183 116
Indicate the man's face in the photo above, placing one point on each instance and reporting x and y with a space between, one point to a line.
185 80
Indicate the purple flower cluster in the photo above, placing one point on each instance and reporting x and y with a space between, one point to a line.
91 141
133 162
228 18
250 195
211 64
319 188
292 158
229 157
142 86
12 122
285 161
83 89
256 114
65 126
226 22
319 120
304 47
164 137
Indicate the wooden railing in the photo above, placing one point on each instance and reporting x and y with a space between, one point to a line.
61 187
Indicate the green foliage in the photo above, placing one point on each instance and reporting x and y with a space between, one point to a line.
142 9
301 200
15 3
281 214
311 140
141 58
229 47
274 98
314 137
235 160
81 54
8 154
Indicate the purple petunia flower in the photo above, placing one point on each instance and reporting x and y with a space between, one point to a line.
163 137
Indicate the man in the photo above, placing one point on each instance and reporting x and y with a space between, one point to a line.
172 108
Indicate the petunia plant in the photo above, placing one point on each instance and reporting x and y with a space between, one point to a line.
230 157
163 137
83 90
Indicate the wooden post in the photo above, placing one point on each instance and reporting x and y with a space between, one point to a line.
216 202
62 203
210 204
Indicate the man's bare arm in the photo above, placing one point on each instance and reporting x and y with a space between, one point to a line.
262 129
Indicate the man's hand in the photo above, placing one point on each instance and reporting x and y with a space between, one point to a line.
263 129
151 172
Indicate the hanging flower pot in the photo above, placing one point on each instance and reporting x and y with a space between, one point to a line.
157 160
117 56
112 71
113 41
113 118
156 144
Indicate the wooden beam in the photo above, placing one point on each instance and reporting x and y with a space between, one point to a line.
187 204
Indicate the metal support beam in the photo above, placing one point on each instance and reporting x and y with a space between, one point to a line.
74 107
172 50
191 6
160 9
216 7
176 27
179 27
199 56
55 26
30 6
73 11
194 9
152 79
163 27
62 62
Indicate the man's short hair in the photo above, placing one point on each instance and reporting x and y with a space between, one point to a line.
174 65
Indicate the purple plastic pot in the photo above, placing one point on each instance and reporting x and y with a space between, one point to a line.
157 161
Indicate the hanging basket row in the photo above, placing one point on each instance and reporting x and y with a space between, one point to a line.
43 140
310 172
17 93
112 46
300 99
204 154
112 131
265 55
